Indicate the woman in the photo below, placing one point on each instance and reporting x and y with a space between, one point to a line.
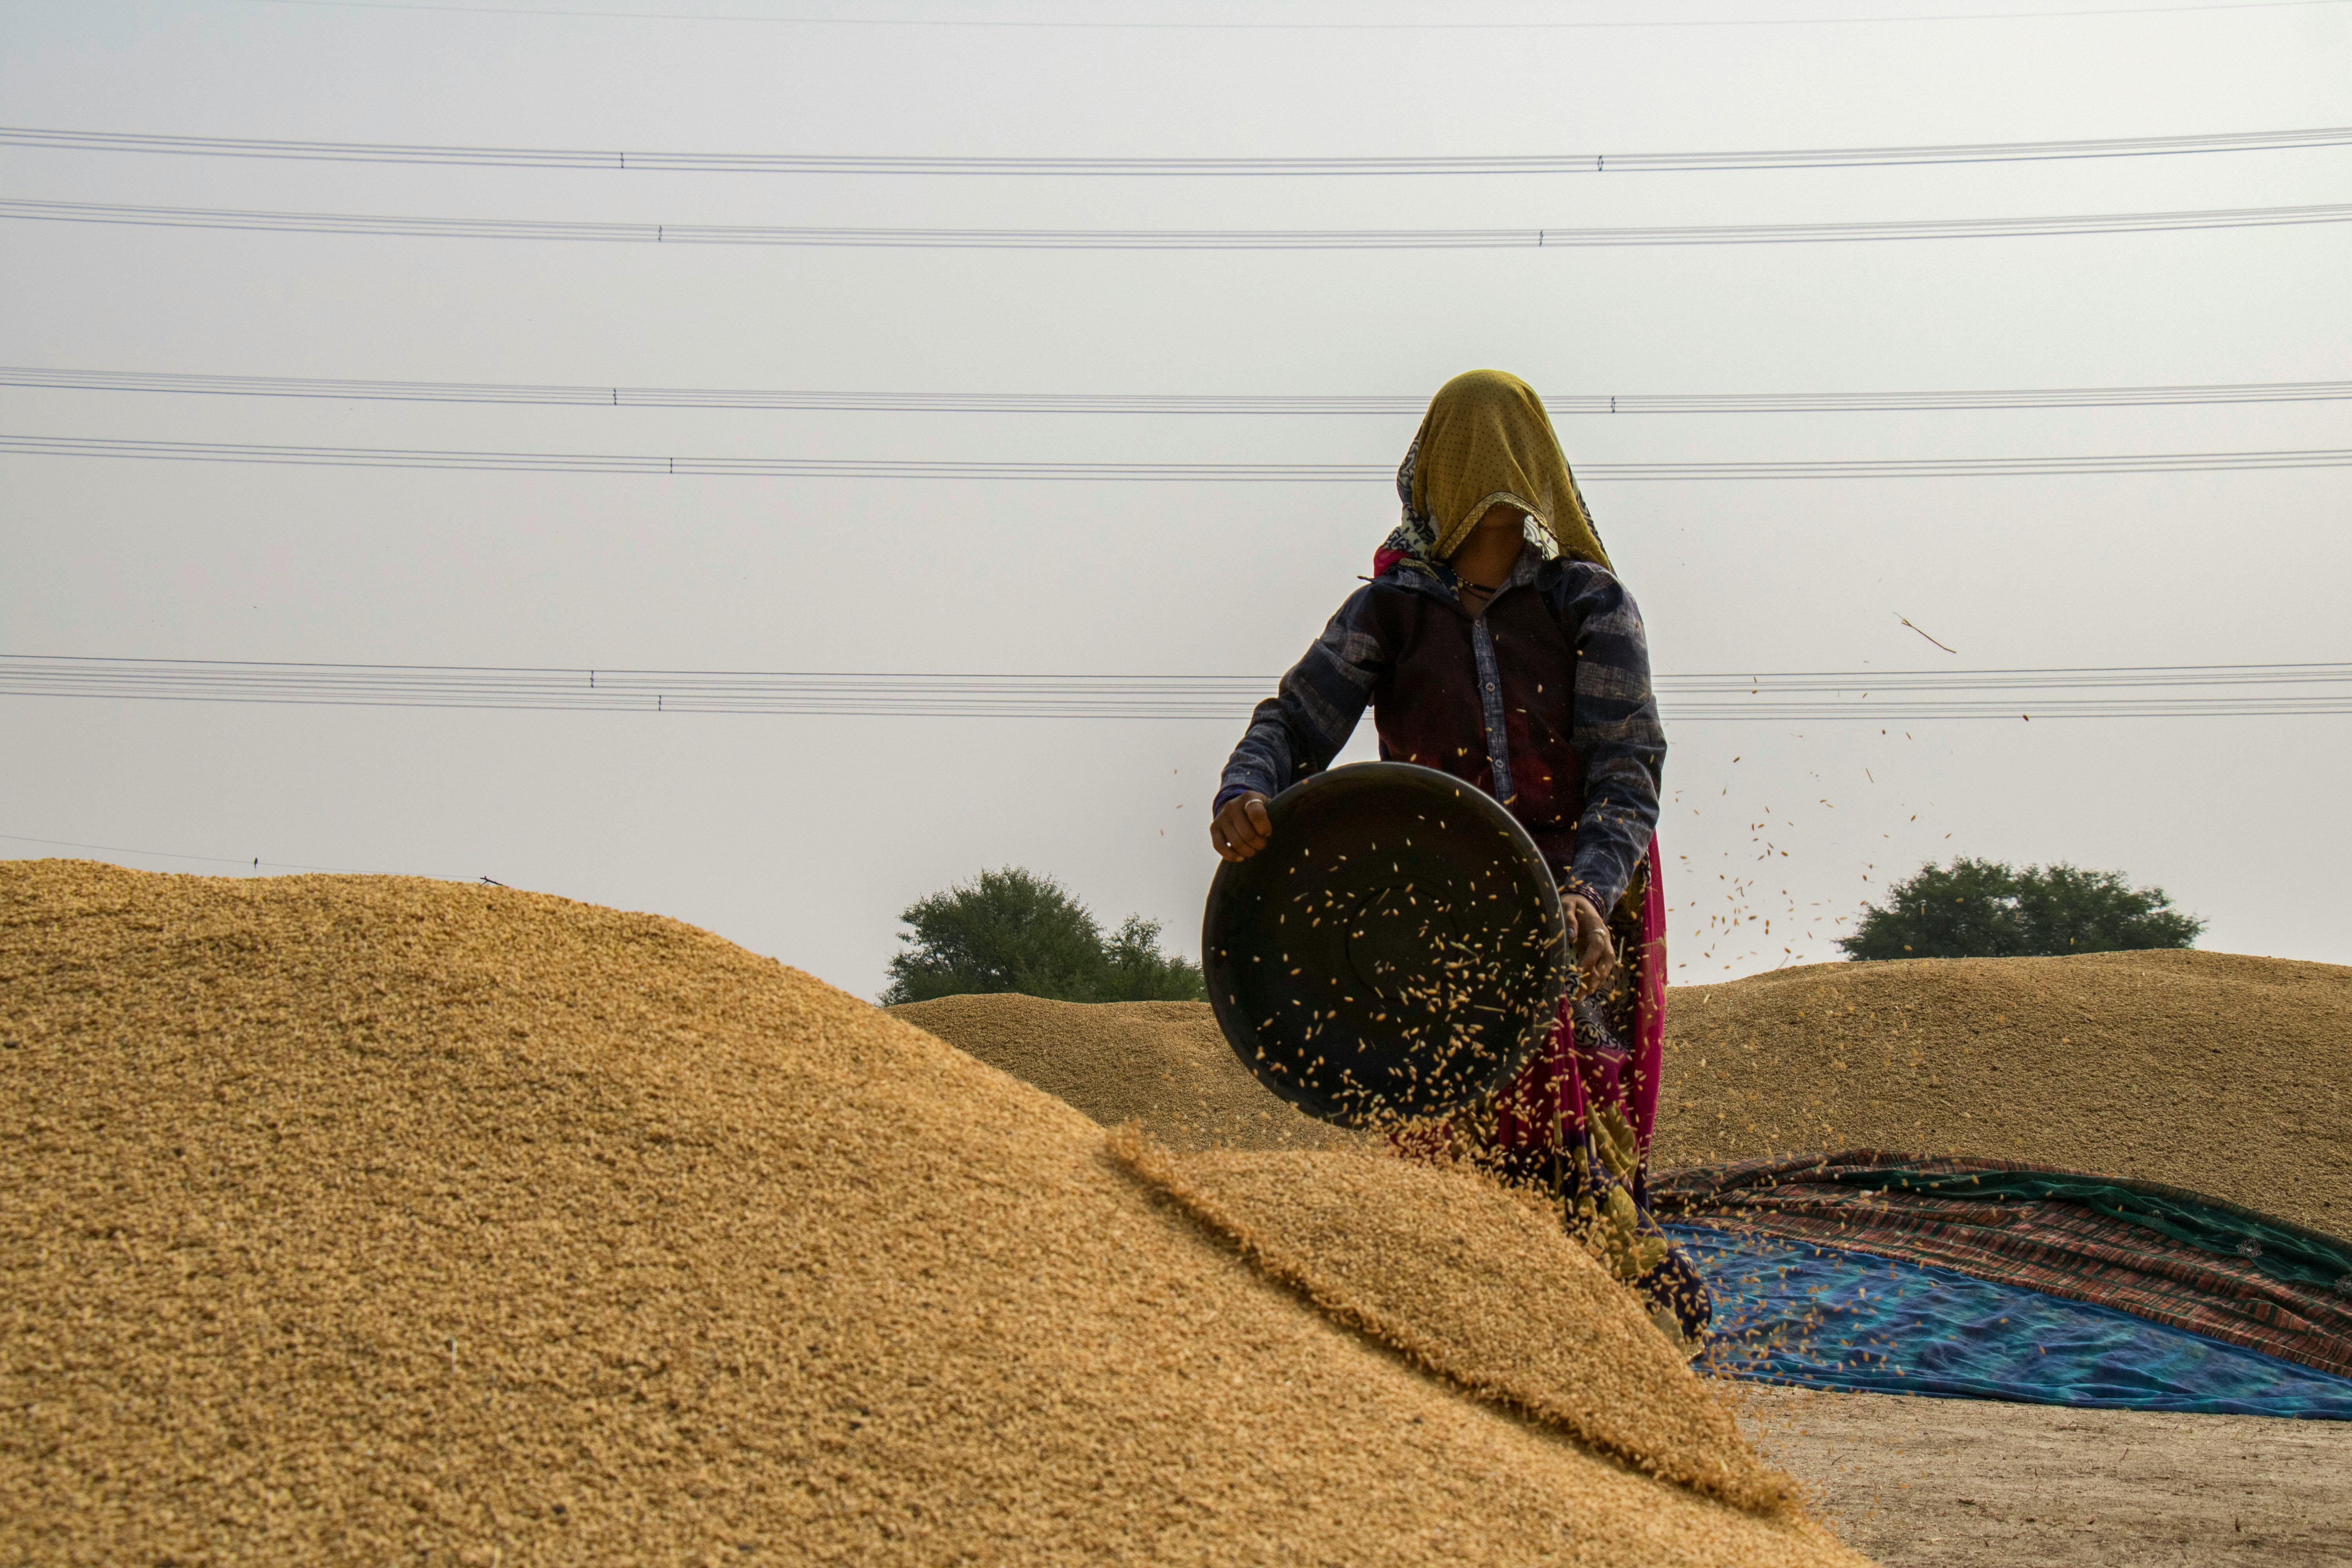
1495 643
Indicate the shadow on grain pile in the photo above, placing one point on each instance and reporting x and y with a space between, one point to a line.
1162 1064
361 1217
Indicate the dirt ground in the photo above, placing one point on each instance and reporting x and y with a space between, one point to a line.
1960 1483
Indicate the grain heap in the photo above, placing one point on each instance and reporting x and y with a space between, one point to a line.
2211 1071
1493 1295
1159 1064
364 1218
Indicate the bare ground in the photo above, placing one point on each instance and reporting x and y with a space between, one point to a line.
1916 1482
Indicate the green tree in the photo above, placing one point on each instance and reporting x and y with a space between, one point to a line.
1983 909
1135 970
1011 929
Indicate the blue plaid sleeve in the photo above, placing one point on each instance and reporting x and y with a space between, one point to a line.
1298 730
1616 730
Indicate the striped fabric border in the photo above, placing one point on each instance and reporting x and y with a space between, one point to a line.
2061 1247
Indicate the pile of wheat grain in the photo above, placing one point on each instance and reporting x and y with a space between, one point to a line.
1162 1064
2219 1073
373 1219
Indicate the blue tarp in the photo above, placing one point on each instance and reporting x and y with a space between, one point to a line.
1822 1317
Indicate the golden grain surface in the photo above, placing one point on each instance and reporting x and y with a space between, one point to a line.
375 1219
1162 1064
1479 1285
2212 1071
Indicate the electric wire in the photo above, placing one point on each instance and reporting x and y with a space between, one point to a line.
254 863
1133 473
895 164
835 238
1263 27
467 392
2273 690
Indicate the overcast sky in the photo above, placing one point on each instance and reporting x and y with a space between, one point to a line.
804 837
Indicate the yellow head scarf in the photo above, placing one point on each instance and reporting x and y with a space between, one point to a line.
1487 439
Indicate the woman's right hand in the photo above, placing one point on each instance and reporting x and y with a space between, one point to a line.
1596 954
1243 827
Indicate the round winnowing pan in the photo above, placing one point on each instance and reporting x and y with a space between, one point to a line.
1396 952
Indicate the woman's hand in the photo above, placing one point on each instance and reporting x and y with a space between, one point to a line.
1243 827
1596 955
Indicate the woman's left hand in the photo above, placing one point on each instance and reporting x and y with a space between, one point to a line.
1596 954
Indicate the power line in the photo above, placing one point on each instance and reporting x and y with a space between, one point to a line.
2274 690
2195 5
890 163
1153 473
835 238
254 864
1149 403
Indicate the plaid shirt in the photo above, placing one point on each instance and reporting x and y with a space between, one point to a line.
1544 702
